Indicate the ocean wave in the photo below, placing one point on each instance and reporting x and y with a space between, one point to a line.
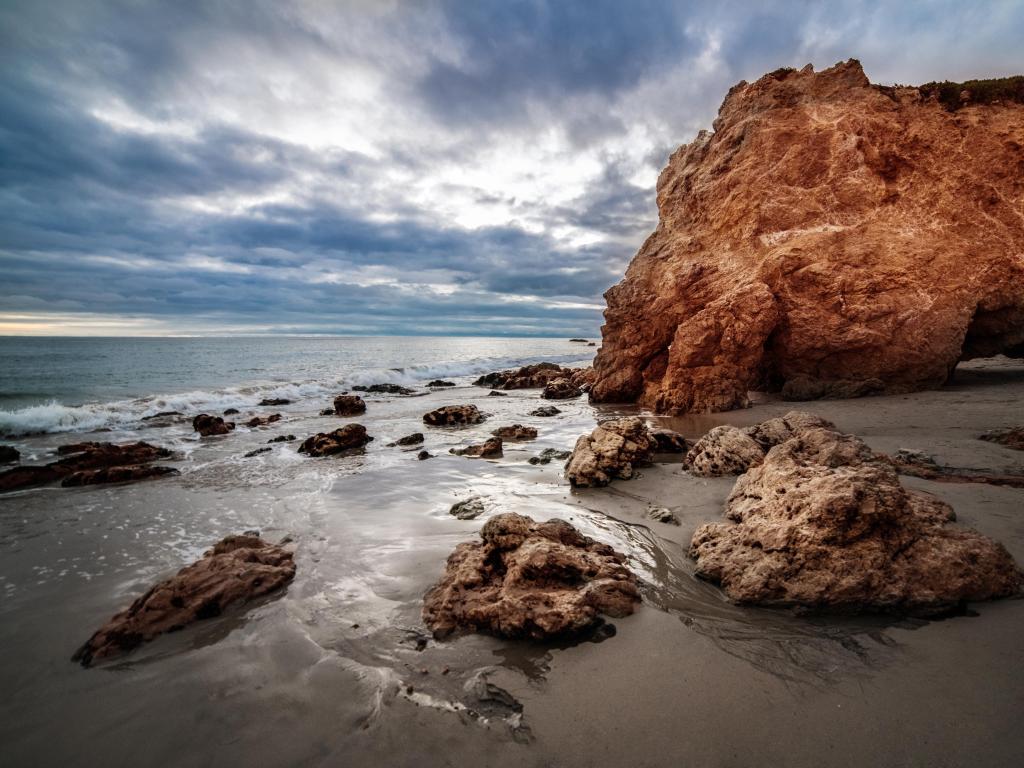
55 416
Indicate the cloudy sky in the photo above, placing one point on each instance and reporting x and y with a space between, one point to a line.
385 167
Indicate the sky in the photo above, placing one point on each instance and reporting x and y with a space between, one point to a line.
375 167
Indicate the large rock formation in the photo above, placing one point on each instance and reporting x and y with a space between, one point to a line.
613 450
530 580
91 463
237 569
829 238
823 523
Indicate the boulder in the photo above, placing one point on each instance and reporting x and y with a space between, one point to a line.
561 389
93 463
384 389
515 432
1011 438
490 449
453 415
275 401
29 476
612 451
528 377
668 441
229 412
236 570
423 455
583 378
774 431
823 523
530 580
724 450
207 425
262 421
497 393
548 455
118 474
346 438
468 509
829 238
440 383
349 405
281 439
546 411
414 439
9 454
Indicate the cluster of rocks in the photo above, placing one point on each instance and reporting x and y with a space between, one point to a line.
539 376
530 580
236 570
91 463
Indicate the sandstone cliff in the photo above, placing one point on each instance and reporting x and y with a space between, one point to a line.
829 238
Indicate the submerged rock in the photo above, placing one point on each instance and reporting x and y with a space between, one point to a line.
533 376
440 383
549 454
818 186
237 569
231 412
345 438
275 401
468 509
207 425
281 439
349 405
612 451
9 454
117 474
530 580
85 459
561 389
1011 438
490 449
453 415
424 455
172 414
384 389
257 452
262 421
515 432
823 523
414 439
545 411
496 393
724 450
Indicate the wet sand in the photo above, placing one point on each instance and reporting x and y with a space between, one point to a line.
337 670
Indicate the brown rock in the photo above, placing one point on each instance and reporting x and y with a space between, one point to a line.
414 439
918 464
823 523
491 449
237 569
345 438
384 389
774 431
94 461
453 415
515 432
668 441
546 410
124 474
349 405
207 425
561 389
96 455
1011 438
262 421
829 238
440 383
583 378
724 450
28 476
530 580
613 450
275 401
528 377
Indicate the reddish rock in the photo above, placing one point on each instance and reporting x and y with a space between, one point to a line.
530 580
491 449
823 523
28 476
346 438
262 421
349 405
237 569
829 238
612 451
724 450
95 462
453 415
96 455
561 389
515 432
124 474
533 376
275 401
207 425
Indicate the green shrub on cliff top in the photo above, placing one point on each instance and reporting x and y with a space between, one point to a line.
981 91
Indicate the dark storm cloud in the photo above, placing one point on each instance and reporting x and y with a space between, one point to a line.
444 167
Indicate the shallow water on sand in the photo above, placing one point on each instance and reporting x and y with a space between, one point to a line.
338 670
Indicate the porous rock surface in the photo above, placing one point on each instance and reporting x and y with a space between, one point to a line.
612 451
561 389
530 580
453 415
237 569
830 238
515 432
823 523
345 438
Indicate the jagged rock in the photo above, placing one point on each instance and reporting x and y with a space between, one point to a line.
1011 438
829 238
440 383
167 415
118 474
468 509
349 405
823 523
668 441
549 454
724 450
774 431
515 432
530 580
29 476
453 415
662 515
613 450
228 412
384 389
546 410
496 393
9 454
257 452
237 569
561 389
275 401
423 455
346 438
207 425
583 378
262 421
490 449
414 439
528 377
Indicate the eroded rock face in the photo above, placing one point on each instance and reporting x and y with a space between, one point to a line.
823 523
440 383
453 415
612 451
530 580
349 405
346 438
830 238
515 432
490 449
237 569
724 450
207 425
1011 438
561 389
